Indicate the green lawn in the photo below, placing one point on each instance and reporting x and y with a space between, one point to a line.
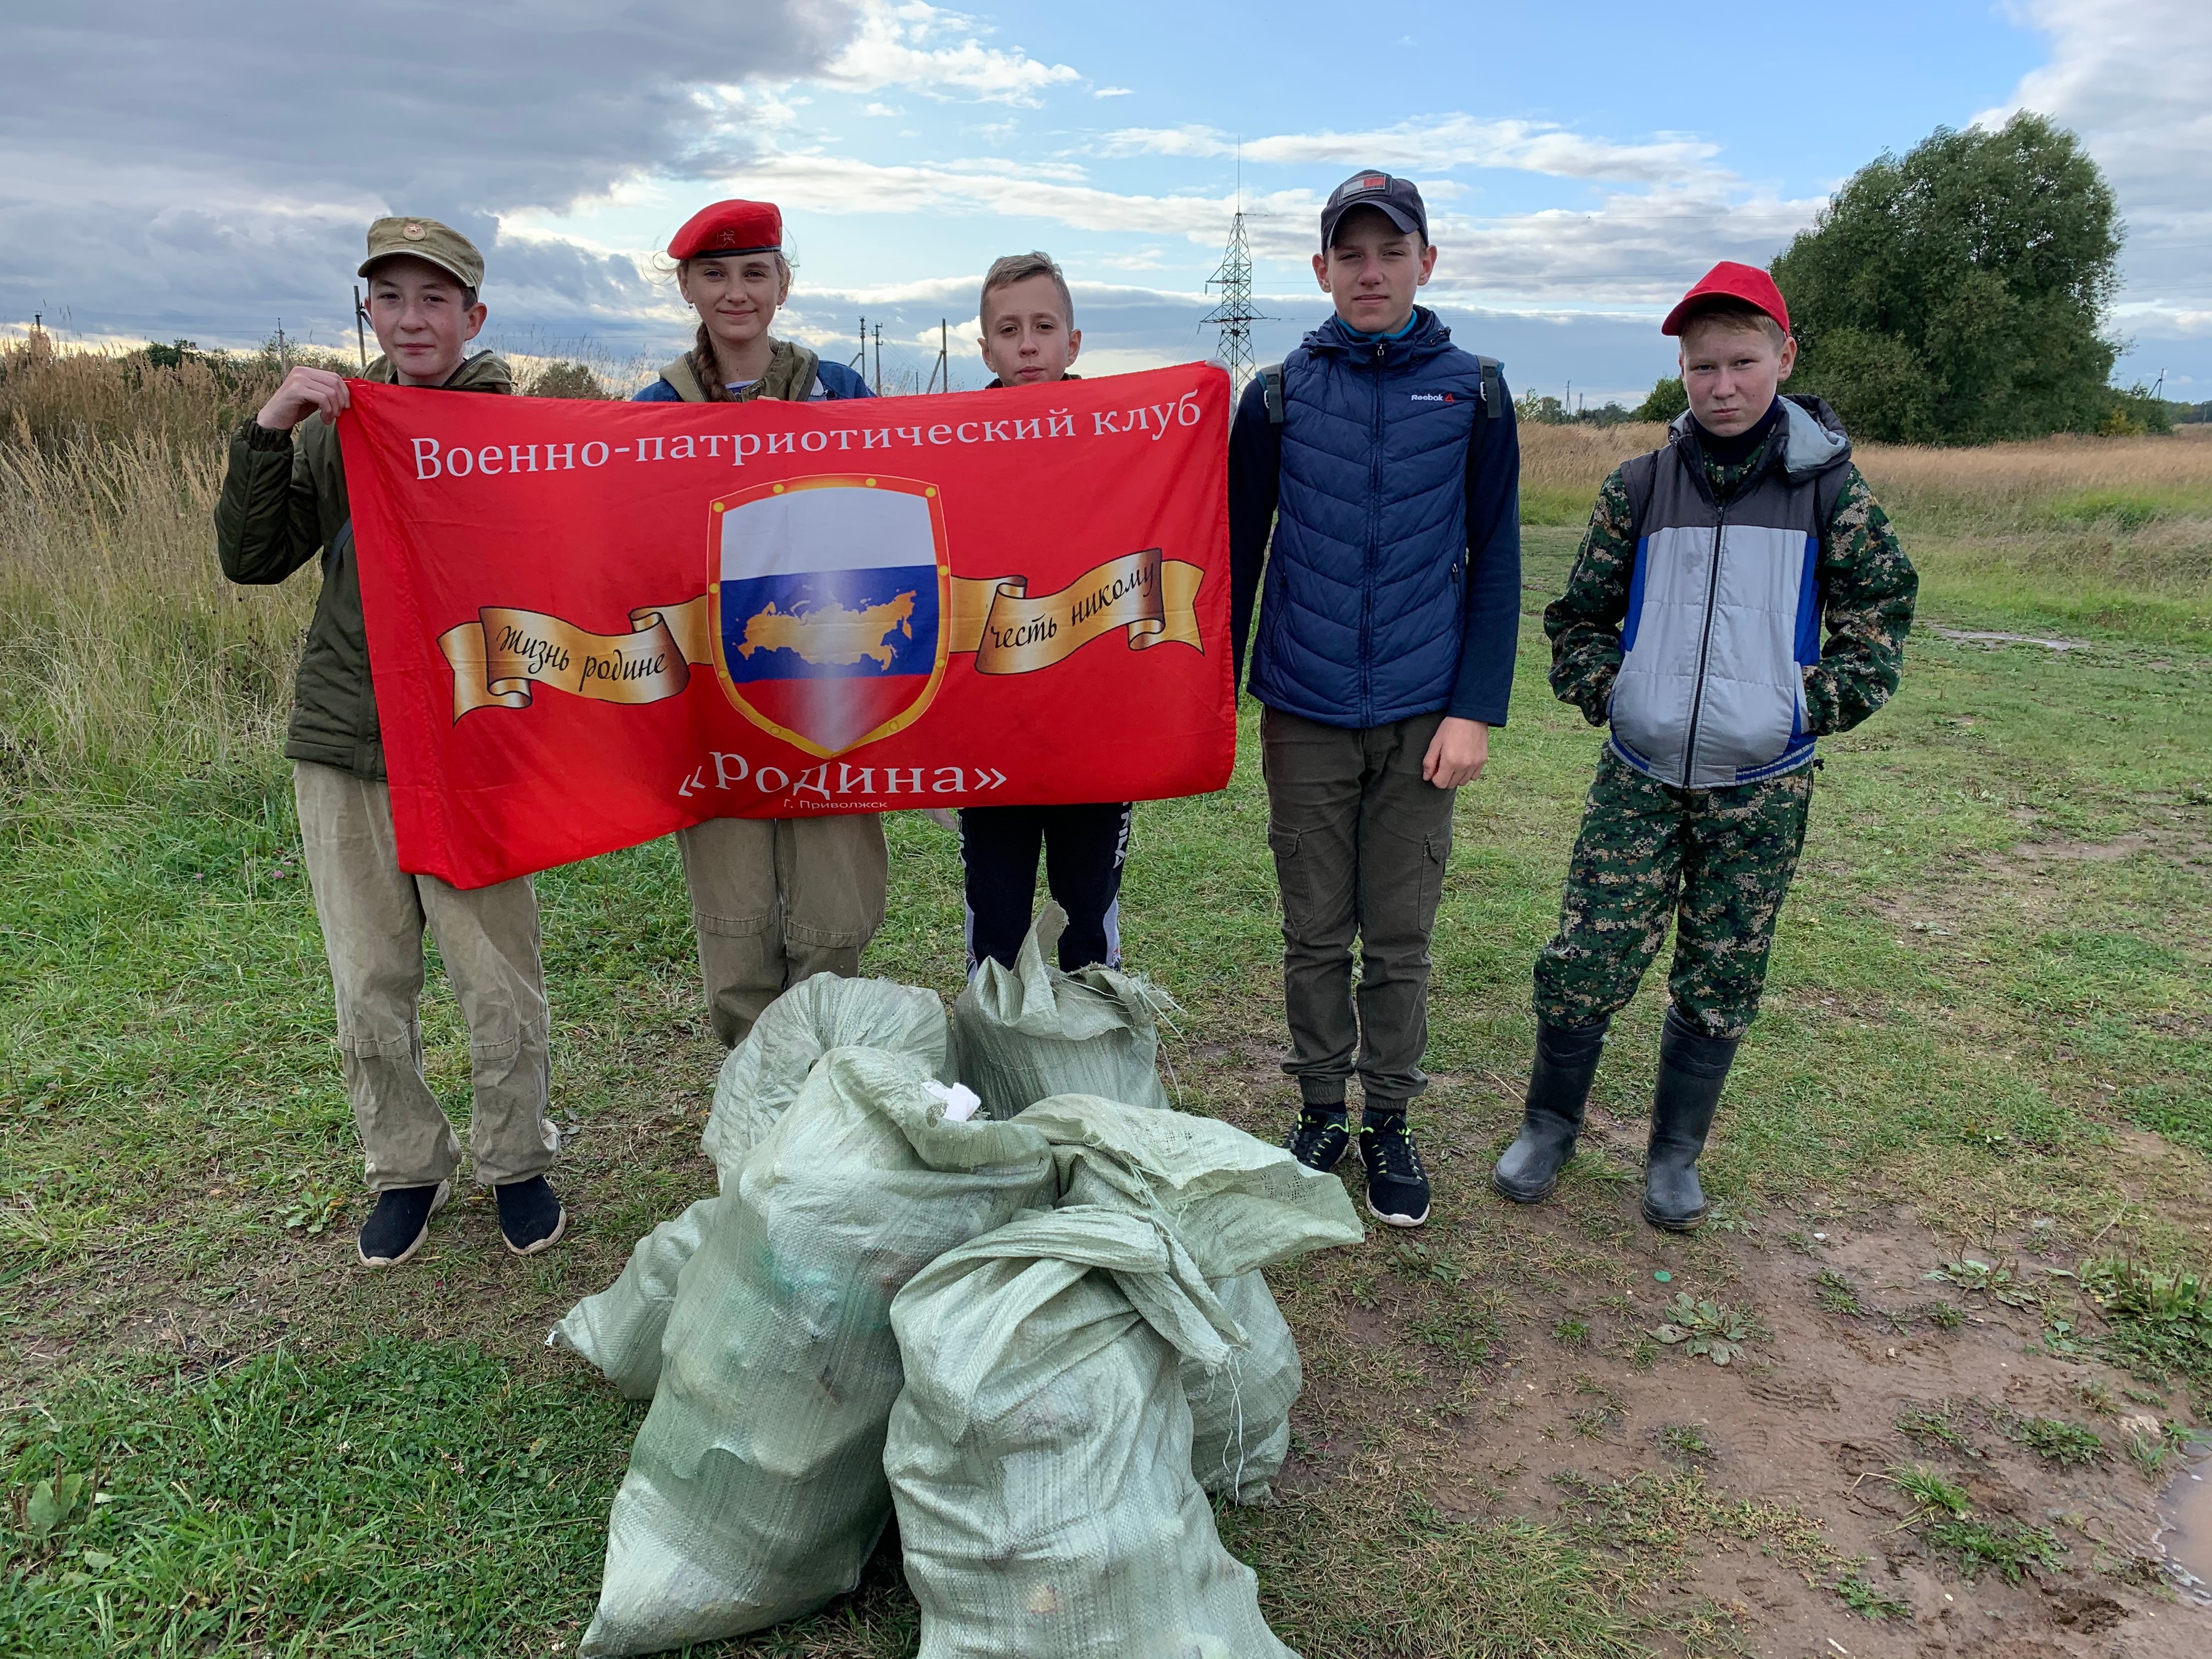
1991 982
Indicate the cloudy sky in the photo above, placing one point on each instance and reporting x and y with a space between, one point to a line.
203 167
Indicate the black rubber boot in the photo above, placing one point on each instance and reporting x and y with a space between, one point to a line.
1558 1092
1692 1069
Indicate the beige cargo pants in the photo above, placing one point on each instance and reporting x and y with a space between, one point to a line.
779 900
373 915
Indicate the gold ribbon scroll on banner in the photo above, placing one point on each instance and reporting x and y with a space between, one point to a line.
1154 598
497 658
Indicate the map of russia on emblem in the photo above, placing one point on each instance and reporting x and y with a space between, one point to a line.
830 601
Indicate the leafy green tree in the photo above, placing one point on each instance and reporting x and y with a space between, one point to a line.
1539 410
1954 295
1665 401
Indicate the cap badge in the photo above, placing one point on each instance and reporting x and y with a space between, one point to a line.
1374 181
413 231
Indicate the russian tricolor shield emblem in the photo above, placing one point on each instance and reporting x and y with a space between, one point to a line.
830 597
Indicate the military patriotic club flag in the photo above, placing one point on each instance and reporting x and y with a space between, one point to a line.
592 624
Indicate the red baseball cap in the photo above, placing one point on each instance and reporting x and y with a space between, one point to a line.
728 228
1729 280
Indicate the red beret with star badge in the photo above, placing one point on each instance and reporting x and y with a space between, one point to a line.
729 229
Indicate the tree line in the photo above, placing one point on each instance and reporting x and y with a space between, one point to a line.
1958 295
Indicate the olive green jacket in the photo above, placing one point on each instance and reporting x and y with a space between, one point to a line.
283 501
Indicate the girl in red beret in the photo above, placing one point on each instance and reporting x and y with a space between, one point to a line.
773 901
731 269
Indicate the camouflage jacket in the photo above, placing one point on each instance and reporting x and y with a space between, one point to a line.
1867 586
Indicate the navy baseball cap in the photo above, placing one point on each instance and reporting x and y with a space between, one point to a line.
1397 198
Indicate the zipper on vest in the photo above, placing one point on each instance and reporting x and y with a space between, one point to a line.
1374 536
1705 651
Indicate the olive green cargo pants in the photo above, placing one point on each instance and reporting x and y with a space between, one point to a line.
1361 840
776 901
373 915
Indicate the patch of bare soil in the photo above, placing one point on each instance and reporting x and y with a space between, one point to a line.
1503 1359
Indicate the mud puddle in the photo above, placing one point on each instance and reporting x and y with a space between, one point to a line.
2185 1533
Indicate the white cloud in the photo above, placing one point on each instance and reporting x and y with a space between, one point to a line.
844 184
939 53
1444 141
1111 91
1634 249
2131 76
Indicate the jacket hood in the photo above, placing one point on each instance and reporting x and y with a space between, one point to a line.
1424 338
1812 437
485 372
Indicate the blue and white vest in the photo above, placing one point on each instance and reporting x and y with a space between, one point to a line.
1724 607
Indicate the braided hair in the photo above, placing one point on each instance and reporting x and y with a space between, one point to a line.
706 369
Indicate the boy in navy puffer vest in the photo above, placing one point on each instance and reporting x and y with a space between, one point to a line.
1387 461
1691 626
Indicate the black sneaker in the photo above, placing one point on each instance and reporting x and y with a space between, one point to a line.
400 1222
531 1216
1319 1140
1397 1187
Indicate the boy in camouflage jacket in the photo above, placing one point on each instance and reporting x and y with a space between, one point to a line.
1691 626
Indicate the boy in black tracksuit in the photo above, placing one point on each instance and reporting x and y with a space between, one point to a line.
1029 338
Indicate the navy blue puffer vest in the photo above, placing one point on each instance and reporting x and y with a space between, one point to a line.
1362 611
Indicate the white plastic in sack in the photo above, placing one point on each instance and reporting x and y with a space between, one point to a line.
756 1489
1040 1454
1030 1031
620 1328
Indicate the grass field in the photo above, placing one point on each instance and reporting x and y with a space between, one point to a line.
1986 1039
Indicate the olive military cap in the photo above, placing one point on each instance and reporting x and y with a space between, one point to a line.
426 239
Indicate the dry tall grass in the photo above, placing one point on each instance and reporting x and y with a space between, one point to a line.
54 398
122 646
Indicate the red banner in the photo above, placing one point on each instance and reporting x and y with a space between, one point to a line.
591 624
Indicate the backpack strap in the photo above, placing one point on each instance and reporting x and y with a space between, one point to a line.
1637 474
1493 386
1271 386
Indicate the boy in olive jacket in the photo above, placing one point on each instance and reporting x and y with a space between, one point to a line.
283 502
1692 628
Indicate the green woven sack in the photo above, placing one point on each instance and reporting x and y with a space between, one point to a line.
1238 1205
1040 1454
756 1488
762 1075
619 1329
1030 1031
1240 1415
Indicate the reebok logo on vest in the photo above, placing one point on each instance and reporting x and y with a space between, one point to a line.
1431 398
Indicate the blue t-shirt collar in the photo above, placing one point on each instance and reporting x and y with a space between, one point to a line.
1362 338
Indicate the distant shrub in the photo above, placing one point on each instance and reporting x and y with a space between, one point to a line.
565 379
1664 401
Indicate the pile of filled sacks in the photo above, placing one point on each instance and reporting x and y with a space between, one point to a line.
982 1275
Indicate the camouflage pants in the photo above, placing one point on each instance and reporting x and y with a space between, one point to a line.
1716 861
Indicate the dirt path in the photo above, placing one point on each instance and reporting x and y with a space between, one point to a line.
1512 1350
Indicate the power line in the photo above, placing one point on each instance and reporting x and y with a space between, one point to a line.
1234 315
